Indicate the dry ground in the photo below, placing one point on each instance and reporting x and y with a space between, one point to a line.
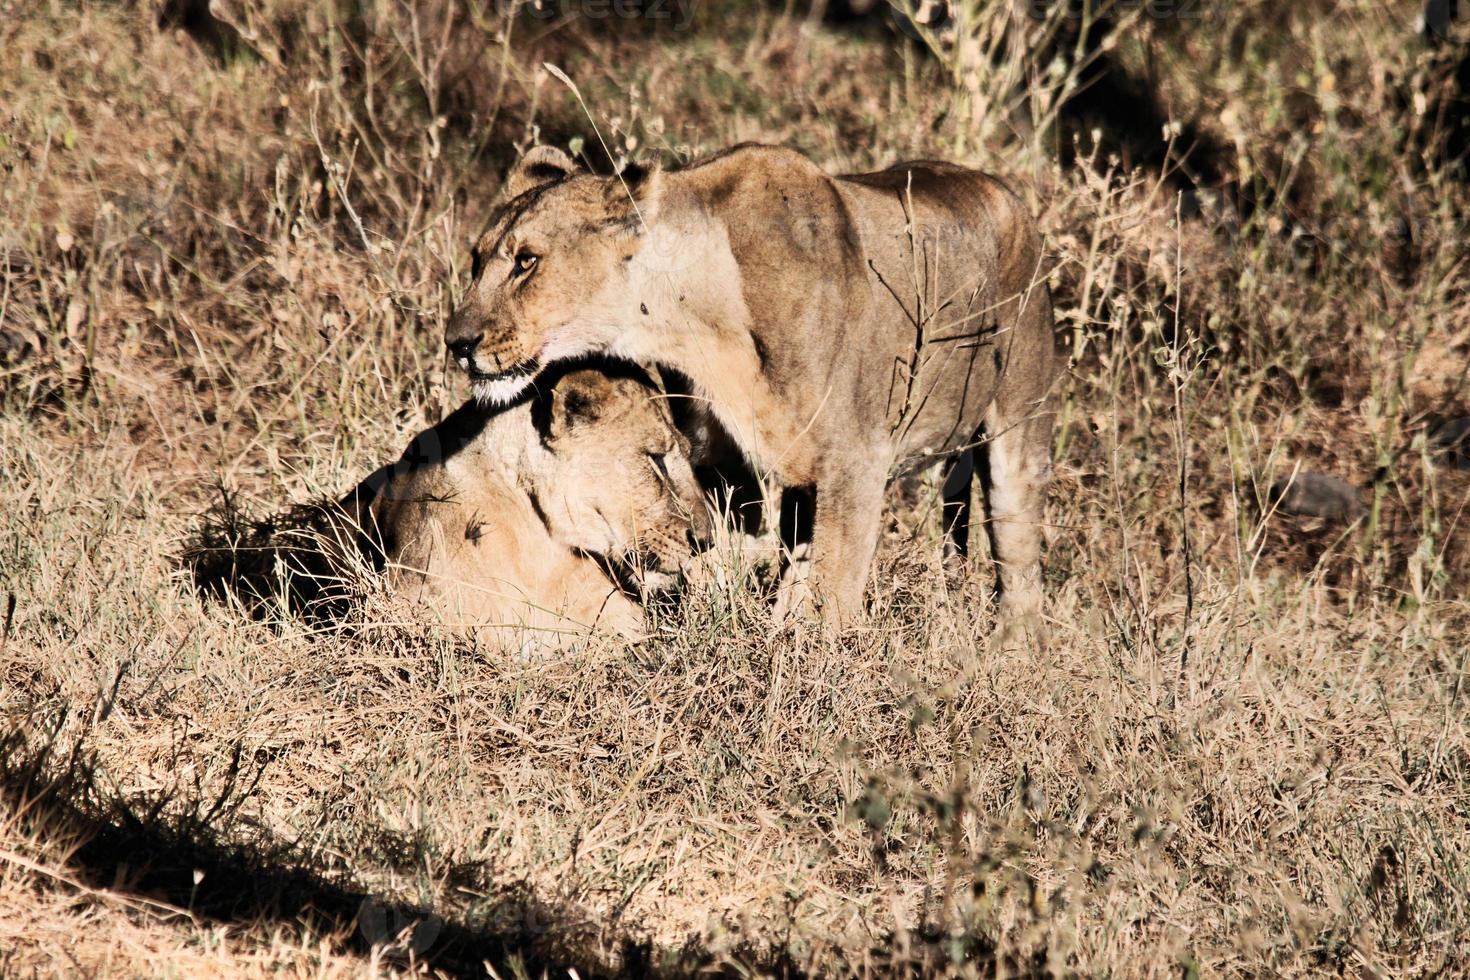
227 248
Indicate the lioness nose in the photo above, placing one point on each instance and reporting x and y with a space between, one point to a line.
464 348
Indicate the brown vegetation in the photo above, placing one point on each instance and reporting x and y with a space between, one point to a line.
229 243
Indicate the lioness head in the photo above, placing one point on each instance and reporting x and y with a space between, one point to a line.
552 274
594 454
615 479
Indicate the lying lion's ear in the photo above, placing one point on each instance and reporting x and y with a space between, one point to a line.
567 407
540 165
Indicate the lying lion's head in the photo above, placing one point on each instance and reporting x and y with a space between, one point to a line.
552 273
592 451
615 479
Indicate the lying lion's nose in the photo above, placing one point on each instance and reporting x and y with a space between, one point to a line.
464 348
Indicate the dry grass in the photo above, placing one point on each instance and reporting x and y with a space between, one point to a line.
1244 752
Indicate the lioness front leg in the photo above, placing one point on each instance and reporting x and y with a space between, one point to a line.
1018 468
848 518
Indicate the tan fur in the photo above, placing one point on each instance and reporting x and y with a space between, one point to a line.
491 518
840 328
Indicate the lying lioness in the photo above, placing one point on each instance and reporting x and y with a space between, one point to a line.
838 327
494 519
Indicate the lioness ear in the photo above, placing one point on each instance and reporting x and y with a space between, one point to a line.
567 407
540 165
633 196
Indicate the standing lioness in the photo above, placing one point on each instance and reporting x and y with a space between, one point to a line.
837 326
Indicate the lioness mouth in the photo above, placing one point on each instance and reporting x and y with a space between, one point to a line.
525 369
503 387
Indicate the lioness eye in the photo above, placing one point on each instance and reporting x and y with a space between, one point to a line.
477 264
525 262
659 464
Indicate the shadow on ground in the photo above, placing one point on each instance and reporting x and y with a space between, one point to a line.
279 563
175 853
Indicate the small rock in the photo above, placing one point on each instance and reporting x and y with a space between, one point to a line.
1308 494
1451 439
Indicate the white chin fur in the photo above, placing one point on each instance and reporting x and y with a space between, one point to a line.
653 582
501 391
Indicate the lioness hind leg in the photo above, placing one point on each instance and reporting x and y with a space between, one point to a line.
959 473
1018 468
